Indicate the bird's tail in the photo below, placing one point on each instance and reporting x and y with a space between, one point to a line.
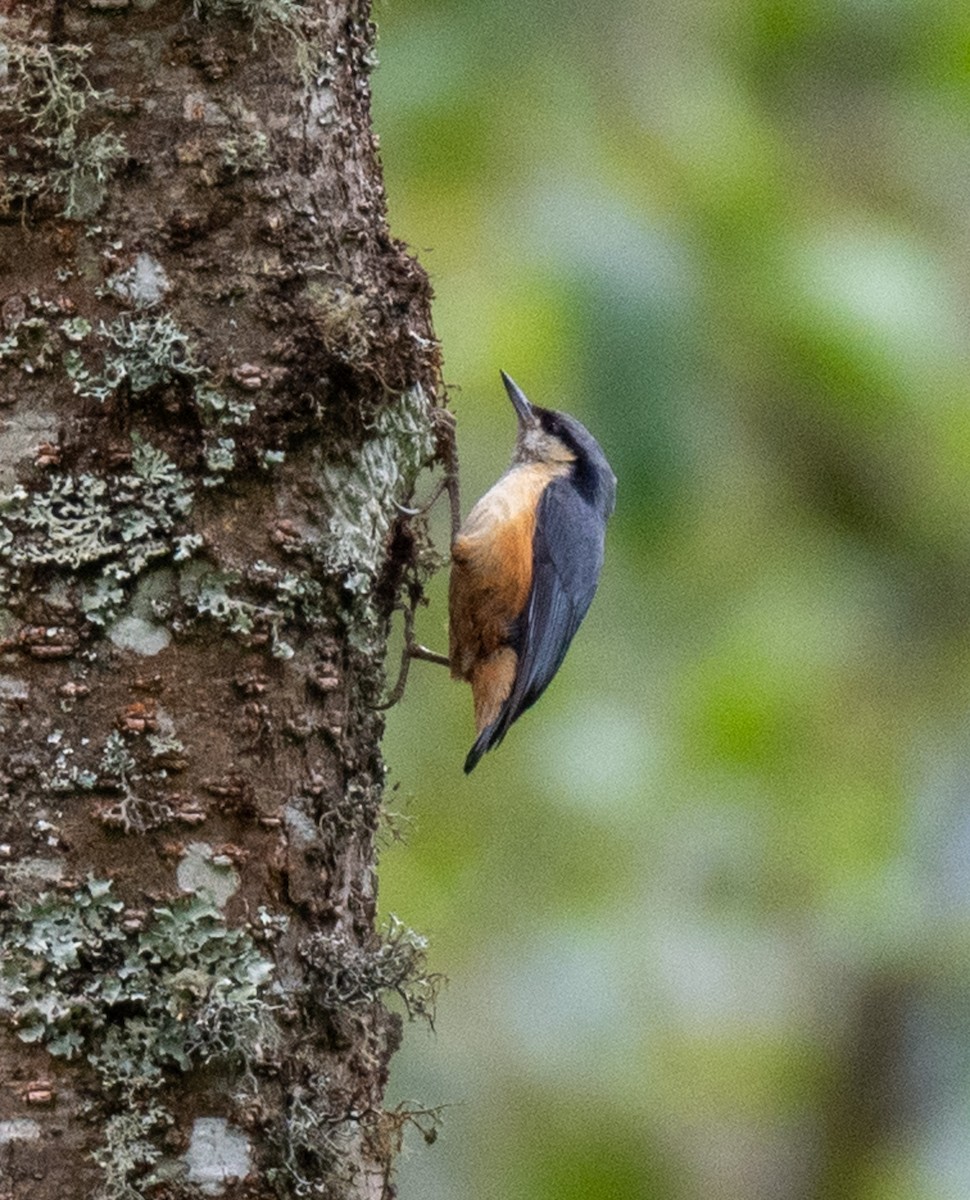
476 752
485 741
490 737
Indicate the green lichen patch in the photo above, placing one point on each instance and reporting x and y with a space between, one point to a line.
362 493
256 604
219 410
143 352
220 458
143 997
147 351
67 147
29 344
139 995
31 325
119 522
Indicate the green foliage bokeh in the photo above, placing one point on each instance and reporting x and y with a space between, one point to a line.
706 912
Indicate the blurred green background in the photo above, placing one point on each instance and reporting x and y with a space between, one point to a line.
706 912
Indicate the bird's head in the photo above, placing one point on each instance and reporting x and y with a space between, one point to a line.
556 439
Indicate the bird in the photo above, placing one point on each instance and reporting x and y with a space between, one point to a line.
525 565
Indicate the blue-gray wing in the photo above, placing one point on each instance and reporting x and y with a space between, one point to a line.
567 560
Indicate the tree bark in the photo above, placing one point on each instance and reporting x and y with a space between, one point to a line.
218 380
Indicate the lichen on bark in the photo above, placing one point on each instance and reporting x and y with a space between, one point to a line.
218 383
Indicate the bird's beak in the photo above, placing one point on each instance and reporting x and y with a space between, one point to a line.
521 405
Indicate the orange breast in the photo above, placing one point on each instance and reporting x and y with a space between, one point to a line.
491 574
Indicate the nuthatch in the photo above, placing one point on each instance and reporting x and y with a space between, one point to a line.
525 566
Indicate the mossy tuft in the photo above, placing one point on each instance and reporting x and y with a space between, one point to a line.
346 975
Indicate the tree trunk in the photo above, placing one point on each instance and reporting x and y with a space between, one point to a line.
218 377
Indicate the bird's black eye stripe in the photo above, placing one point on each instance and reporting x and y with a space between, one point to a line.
583 473
585 479
549 420
587 471
553 424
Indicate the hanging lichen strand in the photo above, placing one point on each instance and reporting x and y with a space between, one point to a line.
217 379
